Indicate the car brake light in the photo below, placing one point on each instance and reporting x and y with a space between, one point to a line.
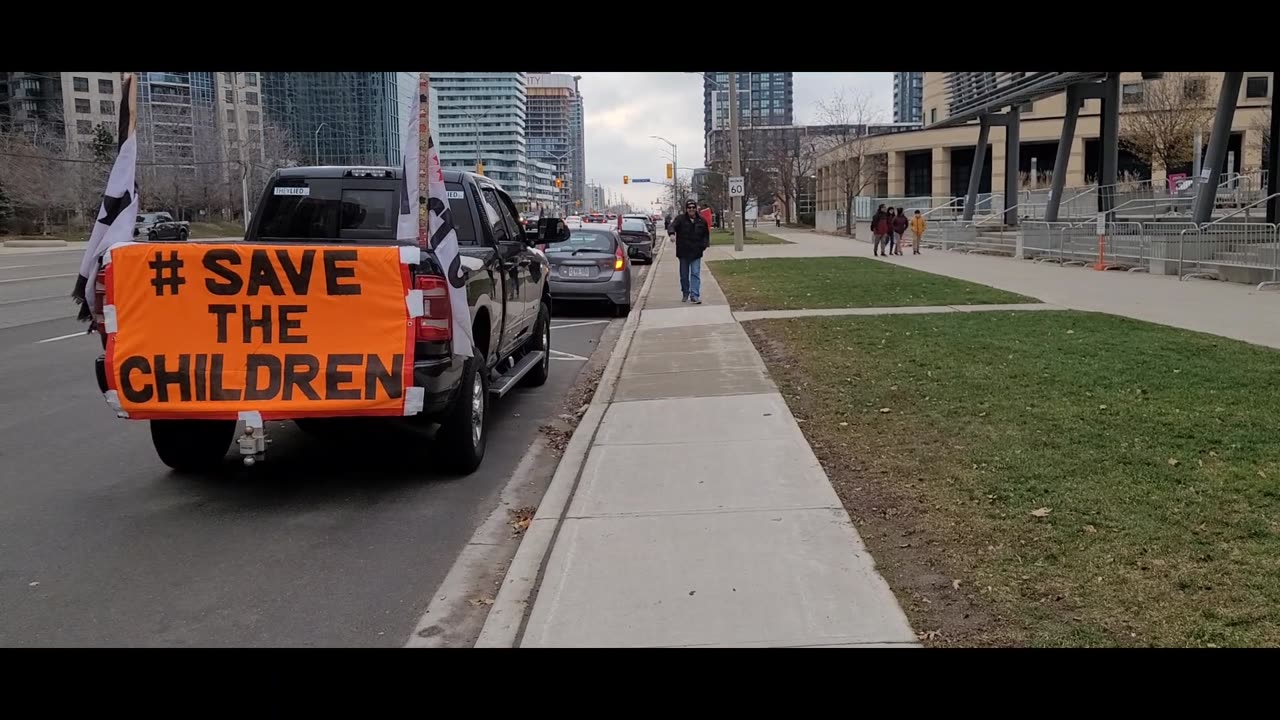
435 325
618 258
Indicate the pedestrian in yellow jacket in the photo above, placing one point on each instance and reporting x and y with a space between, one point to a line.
918 225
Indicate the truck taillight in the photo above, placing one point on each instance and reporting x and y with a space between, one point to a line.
435 323
100 301
619 260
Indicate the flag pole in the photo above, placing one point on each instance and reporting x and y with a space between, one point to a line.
424 164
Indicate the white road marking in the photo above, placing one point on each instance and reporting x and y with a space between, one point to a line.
579 324
33 299
562 355
62 337
15 267
39 277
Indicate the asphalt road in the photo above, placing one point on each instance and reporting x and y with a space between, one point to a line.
325 544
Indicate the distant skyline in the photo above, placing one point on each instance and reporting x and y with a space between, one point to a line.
624 109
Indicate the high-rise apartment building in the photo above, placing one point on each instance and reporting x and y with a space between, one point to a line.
763 99
478 119
340 118
68 105
908 97
554 130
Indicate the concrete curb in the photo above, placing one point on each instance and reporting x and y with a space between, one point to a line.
505 623
35 243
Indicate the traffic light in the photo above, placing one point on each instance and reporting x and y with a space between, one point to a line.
626 179
559 183
670 171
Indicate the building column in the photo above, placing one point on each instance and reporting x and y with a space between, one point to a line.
897 167
975 173
998 169
941 169
1273 155
1012 177
1109 145
1066 143
1219 136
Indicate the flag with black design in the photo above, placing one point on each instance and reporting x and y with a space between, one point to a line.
119 208
436 233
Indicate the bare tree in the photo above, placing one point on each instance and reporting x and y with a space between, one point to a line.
860 159
794 156
1262 133
1161 123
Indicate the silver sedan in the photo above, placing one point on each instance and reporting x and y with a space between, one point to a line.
591 265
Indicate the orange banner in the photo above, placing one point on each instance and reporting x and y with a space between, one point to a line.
202 330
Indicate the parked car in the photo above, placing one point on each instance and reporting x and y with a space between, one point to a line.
653 229
507 290
157 226
593 264
638 238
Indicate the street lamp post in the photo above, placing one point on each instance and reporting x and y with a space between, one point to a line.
316 140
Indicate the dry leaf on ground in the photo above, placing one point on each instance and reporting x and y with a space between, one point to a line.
1041 512
520 519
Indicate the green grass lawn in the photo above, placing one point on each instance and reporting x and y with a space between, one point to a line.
1050 478
750 237
839 282
201 230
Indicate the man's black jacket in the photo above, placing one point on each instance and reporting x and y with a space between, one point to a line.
692 236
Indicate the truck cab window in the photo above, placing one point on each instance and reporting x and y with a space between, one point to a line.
493 212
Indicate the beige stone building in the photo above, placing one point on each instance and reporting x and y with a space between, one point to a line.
936 161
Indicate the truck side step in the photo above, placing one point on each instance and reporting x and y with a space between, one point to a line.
502 384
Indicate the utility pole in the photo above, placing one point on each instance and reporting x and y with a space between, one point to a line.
739 221
240 150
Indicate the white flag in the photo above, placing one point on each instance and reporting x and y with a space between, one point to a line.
441 236
119 209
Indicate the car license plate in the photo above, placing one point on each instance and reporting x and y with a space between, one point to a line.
571 271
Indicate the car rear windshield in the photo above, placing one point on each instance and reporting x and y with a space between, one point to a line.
584 241
346 209
634 224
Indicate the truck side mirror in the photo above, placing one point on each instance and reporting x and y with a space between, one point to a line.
547 231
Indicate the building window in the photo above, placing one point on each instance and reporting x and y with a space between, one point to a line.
226 78
1256 87
80 84
933 115
232 136
83 106
231 116
1194 88
251 98
106 87
110 127
229 96
251 79
1131 94
84 127
107 107
252 117
1027 107
255 136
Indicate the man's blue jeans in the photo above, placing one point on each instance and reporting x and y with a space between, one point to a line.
691 277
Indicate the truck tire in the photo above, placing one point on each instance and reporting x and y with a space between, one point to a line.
462 437
182 235
192 445
541 340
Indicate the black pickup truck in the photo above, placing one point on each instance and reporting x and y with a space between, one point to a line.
506 281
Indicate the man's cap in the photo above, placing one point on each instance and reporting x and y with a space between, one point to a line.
690 204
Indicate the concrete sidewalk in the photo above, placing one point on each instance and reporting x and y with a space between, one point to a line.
1230 310
701 516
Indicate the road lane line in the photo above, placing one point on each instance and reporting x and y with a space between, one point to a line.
15 267
34 299
40 277
562 355
82 333
579 324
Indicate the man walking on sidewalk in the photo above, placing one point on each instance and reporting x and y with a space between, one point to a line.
692 239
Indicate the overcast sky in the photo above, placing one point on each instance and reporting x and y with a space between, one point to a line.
624 109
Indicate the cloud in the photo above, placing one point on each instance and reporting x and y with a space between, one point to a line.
624 109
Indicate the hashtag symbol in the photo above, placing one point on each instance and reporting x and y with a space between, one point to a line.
167 275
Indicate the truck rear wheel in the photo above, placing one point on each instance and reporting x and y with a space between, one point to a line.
463 435
192 445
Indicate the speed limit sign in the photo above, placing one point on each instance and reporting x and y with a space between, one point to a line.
736 186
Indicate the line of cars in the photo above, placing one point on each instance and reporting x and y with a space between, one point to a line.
595 262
